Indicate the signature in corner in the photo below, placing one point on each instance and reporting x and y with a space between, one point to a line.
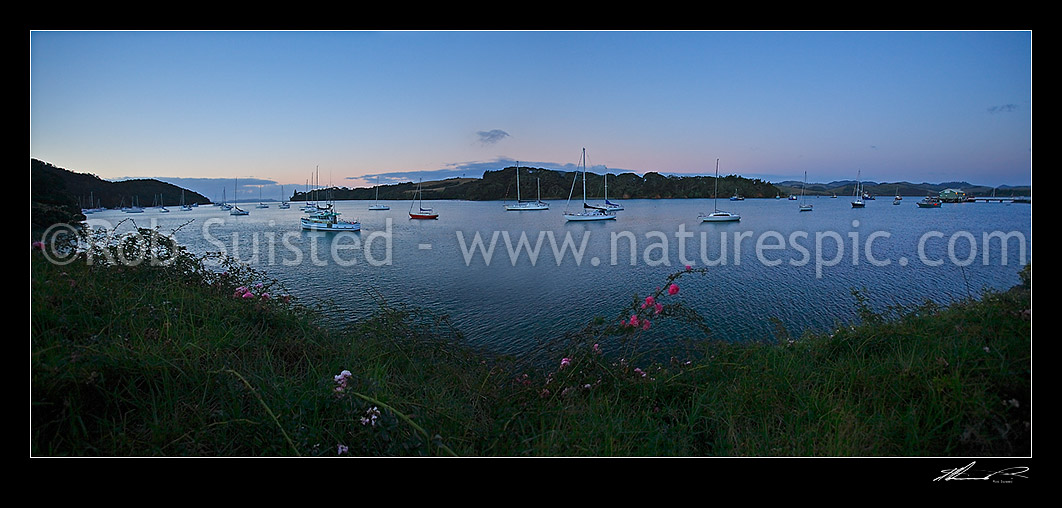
959 472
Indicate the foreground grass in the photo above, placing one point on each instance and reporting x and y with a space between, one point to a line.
176 361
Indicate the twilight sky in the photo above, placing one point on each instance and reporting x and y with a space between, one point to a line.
270 107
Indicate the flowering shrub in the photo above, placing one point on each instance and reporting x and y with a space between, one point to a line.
371 415
585 366
341 382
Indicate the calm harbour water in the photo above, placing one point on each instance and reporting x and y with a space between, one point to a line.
778 263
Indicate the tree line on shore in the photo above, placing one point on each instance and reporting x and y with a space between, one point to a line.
552 184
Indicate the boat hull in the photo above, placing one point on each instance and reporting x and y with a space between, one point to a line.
339 226
529 206
427 216
589 216
720 217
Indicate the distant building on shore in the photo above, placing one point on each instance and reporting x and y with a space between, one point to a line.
952 196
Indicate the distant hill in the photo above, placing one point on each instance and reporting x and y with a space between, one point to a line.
58 195
107 194
847 188
555 185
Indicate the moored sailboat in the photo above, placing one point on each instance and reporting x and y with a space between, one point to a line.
588 212
804 207
858 201
184 207
134 206
261 203
421 213
522 205
718 215
284 204
236 210
608 204
161 205
377 205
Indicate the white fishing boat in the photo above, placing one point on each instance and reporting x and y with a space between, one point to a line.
327 219
588 212
520 204
929 202
718 215
421 213
377 205
804 207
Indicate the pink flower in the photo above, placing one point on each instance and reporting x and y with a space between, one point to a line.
565 362
672 289
341 449
370 417
649 300
634 320
597 348
659 308
248 295
688 268
645 324
37 245
639 372
265 296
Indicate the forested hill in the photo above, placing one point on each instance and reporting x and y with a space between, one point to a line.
501 185
81 186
